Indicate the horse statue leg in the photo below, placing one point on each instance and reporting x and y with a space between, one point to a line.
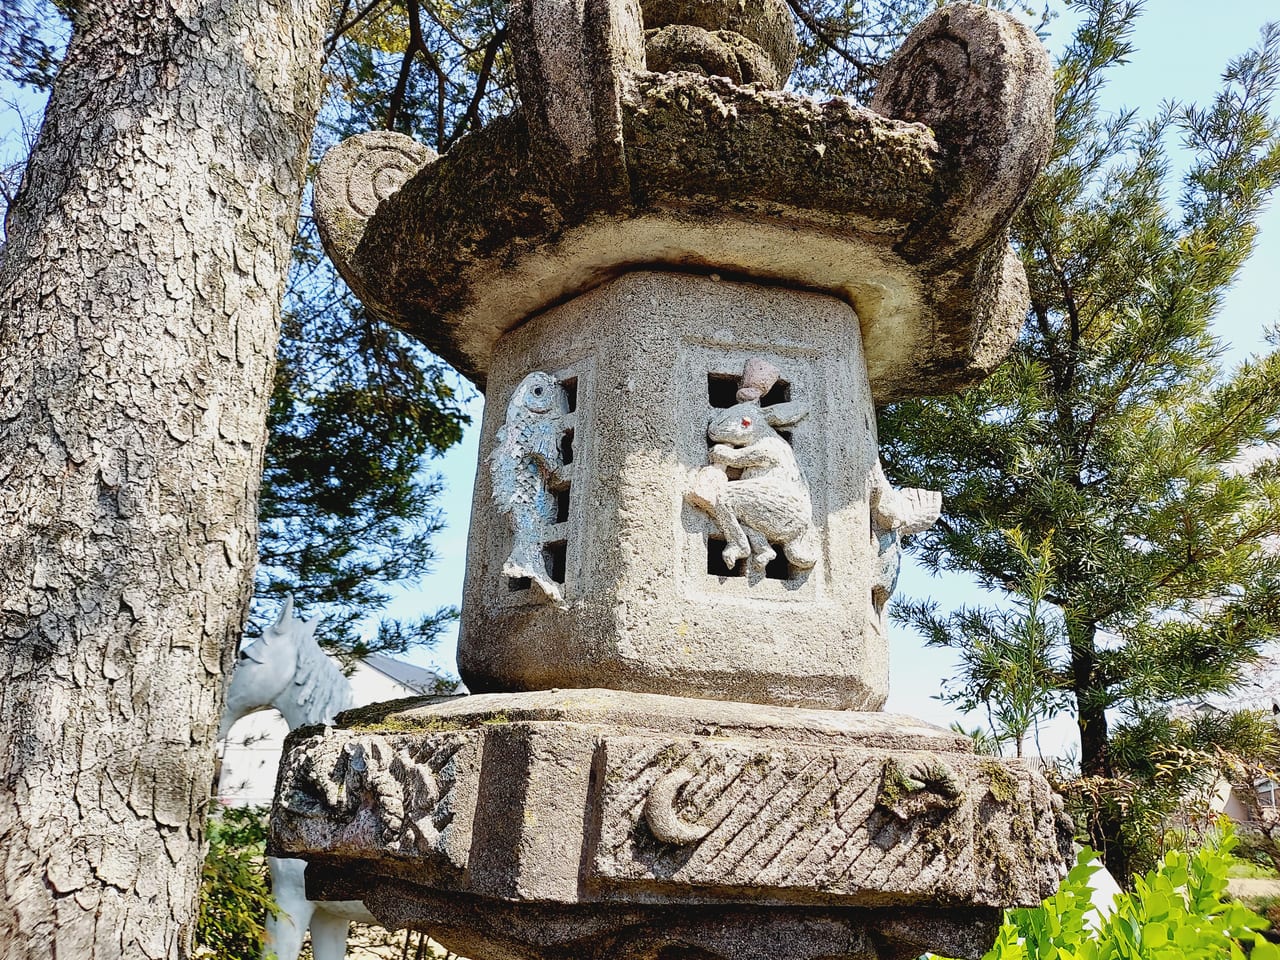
286 929
328 934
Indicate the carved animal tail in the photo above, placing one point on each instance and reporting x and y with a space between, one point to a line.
803 550
527 561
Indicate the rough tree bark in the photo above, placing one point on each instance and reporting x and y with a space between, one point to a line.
139 310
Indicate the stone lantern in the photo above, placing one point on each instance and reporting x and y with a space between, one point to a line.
684 294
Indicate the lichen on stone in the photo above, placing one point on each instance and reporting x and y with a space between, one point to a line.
1001 784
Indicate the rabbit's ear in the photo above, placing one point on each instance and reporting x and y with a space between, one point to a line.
785 414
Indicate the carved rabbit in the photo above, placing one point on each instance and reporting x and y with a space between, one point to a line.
770 502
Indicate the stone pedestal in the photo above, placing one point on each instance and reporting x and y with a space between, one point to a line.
595 823
646 361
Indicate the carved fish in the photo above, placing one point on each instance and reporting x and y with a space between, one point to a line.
521 467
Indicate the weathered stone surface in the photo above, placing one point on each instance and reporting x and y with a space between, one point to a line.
525 467
983 84
368 795
779 819
758 820
767 24
692 171
653 359
676 716
684 295
498 930
754 204
352 179
569 817
572 58
719 53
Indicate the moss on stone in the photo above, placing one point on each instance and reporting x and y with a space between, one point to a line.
895 786
1002 784
394 715
689 141
690 138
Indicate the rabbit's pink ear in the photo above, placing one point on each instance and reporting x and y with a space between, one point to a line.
785 414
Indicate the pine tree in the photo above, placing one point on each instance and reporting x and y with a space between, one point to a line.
1113 439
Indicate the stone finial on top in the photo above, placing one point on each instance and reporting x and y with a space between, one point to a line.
748 41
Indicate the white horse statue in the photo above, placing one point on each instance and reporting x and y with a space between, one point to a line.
286 669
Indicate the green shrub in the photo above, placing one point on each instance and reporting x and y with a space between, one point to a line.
1178 911
235 899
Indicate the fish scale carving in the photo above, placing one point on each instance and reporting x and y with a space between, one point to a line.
754 812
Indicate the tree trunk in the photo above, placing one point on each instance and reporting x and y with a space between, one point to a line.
1095 758
139 310
1105 822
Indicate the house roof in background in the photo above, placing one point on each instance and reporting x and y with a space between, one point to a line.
415 678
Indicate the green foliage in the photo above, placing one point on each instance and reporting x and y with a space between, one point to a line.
1114 443
234 898
430 70
1249 870
1007 664
842 42
1166 771
346 507
1178 911
985 743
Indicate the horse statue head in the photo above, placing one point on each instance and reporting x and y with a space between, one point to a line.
286 669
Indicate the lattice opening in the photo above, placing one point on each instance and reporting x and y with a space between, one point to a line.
562 505
779 568
557 557
570 387
780 393
715 560
722 390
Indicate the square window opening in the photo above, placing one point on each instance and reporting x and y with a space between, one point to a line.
780 393
778 568
556 555
570 387
715 560
722 390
